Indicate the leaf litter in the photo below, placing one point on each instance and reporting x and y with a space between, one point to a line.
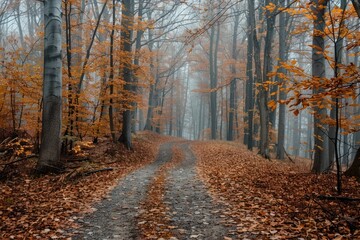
276 199
154 221
43 207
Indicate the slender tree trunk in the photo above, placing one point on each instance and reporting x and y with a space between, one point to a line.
18 21
171 108
318 72
213 78
230 130
309 136
153 85
149 116
296 135
263 94
49 160
126 37
137 54
201 117
185 101
335 106
267 59
141 119
68 142
283 46
334 114
249 100
111 75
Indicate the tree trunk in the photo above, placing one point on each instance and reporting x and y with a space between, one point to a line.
318 72
296 135
153 86
111 75
249 100
201 118
126 35
270 22
137 54
262 98
354 170
68 142
263 93
230 130
213 83
49 160
283 45
171 107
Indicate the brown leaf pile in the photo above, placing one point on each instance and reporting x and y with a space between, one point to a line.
276 200
153 221
44 207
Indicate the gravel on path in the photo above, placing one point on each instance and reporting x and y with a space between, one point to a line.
192 210
115 217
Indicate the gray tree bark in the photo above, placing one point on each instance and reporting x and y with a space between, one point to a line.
111 75
321 162
263 93
153 86
249 100
126 37
49 160
139 34
280 150
213 83
230 130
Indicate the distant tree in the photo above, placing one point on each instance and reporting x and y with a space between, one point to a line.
49 160
111 74
284 44
213 59
232 110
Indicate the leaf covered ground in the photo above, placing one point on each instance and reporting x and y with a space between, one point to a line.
276 200
33 207
154 221
263 199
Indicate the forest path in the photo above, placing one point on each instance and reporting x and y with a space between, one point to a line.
189 209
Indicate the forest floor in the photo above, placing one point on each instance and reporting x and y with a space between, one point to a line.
169 188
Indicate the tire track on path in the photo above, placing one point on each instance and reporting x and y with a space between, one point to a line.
192 210
115 217
186 206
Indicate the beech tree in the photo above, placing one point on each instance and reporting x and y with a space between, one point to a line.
318 72
232 110
249 100
213 54
49 160
126 38
283 56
